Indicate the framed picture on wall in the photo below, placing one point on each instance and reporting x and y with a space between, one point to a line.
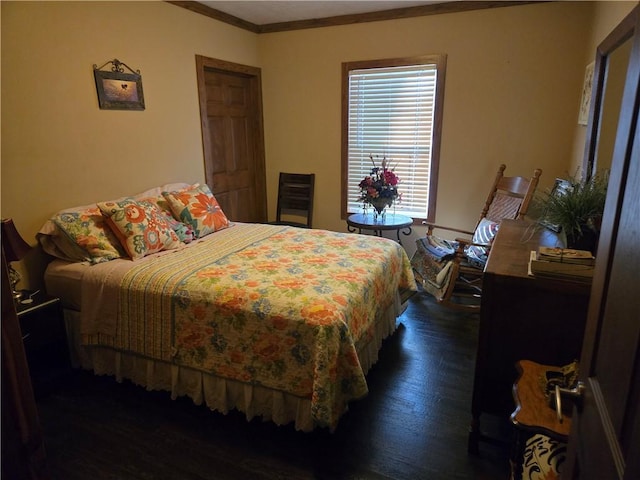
585 102
118 90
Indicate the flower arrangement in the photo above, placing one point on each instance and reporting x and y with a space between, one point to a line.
379 189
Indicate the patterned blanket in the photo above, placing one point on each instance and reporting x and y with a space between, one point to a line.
280 307
432 265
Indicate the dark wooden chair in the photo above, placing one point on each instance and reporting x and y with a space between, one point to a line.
451 270
295 199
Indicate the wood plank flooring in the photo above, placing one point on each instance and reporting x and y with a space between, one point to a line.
412 425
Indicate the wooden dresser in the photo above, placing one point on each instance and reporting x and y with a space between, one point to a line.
521 317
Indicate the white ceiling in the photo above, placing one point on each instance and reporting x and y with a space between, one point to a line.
264 12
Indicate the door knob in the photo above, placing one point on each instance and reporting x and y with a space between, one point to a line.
575 394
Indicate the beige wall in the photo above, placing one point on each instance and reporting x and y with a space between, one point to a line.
606 16
513 87
58 148
513 84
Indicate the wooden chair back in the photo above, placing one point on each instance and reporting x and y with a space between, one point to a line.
510 197
295 197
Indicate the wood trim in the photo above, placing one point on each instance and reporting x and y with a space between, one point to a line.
622 157
198 7
441 61
617 37
393 14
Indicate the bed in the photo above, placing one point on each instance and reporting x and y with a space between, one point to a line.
278 322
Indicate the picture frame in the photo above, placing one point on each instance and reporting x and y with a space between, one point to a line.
585 101
118 90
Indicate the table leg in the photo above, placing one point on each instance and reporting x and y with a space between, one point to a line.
406 231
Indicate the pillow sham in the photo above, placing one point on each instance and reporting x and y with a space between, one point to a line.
85 236
141 229
198 208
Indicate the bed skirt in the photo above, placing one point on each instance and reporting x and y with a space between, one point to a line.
217 393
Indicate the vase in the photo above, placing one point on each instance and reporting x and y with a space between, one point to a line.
379 206
587 240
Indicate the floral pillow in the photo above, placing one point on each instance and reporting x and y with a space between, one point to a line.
183 231
87 230
158 201
198 208
141 229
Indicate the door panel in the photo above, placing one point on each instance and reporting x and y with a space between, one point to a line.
609 421
233 139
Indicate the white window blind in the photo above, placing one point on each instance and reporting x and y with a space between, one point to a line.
391 115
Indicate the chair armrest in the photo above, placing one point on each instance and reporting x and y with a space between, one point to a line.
465 242
470 243
432 226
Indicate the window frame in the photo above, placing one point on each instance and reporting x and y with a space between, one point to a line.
440 60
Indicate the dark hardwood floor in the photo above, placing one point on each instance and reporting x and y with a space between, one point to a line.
412 425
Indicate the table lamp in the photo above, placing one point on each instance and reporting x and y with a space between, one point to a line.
15 248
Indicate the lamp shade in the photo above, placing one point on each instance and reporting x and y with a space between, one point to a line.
15 248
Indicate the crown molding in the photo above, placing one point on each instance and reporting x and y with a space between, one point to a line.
396 13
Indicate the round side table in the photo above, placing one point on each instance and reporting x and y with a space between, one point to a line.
391 221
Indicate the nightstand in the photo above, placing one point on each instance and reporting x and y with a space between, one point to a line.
45 341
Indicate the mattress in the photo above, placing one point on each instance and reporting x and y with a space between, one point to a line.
64 279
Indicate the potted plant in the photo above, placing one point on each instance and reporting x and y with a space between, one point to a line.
574 207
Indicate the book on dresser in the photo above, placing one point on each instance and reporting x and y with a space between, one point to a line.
566 255
562 263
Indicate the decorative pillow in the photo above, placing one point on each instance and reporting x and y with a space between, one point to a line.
157 201
484 234
88 237
141 229
157 191
80 234
183 231
198 208
485 231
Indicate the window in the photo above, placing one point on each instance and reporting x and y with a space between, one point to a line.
393 109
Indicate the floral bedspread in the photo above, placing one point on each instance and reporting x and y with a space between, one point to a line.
276 306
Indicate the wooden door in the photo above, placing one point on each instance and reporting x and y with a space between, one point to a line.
233 140
605 437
